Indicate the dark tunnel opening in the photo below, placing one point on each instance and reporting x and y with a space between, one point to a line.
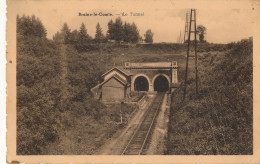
161 84
141 84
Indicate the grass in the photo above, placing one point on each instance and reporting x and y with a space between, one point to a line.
83 134
220 119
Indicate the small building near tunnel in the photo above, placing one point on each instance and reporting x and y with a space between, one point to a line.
114 87
119 82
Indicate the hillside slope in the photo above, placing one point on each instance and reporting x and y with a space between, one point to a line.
220 120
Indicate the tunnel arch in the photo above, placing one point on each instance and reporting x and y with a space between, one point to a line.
161 83
141 82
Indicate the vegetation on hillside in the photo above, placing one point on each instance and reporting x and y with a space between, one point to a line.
201 31
126 32
118 32
148 36
220 120
56 113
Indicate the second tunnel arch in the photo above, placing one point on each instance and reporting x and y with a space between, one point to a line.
161 82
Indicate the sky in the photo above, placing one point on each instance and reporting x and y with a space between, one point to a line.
225 22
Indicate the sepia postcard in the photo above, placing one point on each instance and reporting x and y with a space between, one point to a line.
148 81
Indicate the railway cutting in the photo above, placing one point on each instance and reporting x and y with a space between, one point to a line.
140 139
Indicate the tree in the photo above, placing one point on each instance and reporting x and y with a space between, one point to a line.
83 35
30 26
131 33
110 31
99 37
66 34
115 30
127 31
83 39
134 35
148 36
118 30
201 31
74 37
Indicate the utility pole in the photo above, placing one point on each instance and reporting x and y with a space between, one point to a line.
186 27
192 21
196 57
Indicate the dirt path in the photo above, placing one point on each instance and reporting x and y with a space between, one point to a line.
117 143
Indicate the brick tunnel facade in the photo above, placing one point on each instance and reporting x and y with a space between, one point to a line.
118 83
152 77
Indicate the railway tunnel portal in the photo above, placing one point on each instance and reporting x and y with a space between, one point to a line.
153 76
119 82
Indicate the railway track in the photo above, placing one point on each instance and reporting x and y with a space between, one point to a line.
138 141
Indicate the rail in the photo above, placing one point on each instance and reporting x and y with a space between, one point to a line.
139 139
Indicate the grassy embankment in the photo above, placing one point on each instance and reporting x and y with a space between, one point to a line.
56 113
220 120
